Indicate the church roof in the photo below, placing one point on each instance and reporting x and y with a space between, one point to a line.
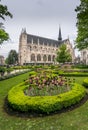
42 40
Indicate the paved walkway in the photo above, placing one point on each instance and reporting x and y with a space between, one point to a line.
15 71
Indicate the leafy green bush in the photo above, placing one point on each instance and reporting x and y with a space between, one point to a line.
43 104
85 82
2 70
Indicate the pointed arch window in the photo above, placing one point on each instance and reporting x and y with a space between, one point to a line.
49 58
38 57
32 57
53 58
45 58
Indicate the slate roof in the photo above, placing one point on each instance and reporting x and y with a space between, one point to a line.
42 40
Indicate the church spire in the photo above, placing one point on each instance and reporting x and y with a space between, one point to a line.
59 36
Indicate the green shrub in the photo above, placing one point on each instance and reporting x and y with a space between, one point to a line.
77 74
80 66
43 104
32 73
85 82
2 70
9 70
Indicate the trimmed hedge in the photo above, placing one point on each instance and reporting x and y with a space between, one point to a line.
80 66
43 104
74 74
85 82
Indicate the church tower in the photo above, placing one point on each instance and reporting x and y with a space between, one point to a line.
22 47
59 36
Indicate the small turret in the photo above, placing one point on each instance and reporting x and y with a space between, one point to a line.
23 31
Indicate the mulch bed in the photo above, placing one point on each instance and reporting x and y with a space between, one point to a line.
31 114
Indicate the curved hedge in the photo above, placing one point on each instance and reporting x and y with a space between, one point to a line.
43 104
85 82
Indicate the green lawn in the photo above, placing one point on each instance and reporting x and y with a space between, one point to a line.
76 119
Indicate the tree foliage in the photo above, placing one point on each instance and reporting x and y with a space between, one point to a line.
12 57
3 36
82 25
63 55
4 13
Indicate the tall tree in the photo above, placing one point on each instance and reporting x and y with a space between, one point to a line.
82 25
63 55
4 13
12 57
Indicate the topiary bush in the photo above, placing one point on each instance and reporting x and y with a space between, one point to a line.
85 82
43 104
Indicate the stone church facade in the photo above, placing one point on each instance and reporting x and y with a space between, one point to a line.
39 50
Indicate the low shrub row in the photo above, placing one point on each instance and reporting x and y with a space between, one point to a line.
85 82
43 104
76 70
80 66
77 74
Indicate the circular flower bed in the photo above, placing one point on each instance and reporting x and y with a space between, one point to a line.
30 96
43 104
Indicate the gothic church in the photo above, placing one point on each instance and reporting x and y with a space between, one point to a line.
39 50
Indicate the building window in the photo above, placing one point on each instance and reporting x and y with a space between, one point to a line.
45 43
32 57
49 58
45 58
53 58
38 57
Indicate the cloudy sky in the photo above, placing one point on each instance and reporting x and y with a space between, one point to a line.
39 17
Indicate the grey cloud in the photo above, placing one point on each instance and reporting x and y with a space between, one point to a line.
42 8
